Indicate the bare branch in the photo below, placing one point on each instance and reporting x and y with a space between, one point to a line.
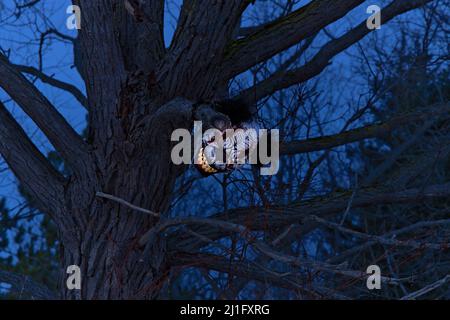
394 233
21 7
141 32
258 218
28 4
203 31
318 265
284 33
284 79
63 137
32 169
42 41
24 284
54 82
274 254
148 236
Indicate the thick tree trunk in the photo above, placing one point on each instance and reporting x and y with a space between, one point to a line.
102 237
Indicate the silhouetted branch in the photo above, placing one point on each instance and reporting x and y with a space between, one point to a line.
284 79
63 137
55 83
32 169
283 33
372 131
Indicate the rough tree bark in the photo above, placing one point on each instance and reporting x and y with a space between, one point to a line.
138 92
